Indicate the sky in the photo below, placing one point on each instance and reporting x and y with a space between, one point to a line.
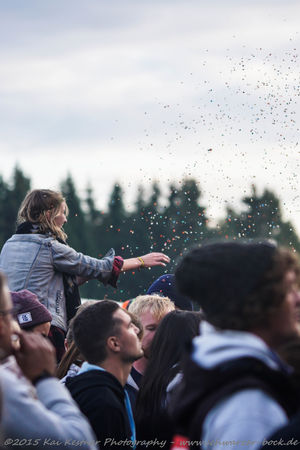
136 91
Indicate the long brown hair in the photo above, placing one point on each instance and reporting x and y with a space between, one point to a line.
72 356
35 207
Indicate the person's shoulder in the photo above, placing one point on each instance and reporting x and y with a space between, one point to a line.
96 378
14 385
96 386
31 237
250 414
6 375
260 406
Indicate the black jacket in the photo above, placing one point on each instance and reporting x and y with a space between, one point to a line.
101 398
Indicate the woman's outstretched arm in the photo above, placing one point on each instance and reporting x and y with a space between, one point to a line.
149 260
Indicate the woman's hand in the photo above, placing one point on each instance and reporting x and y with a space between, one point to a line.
154 259
149 260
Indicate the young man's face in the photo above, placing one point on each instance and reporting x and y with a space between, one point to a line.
150 324
131 347
284 322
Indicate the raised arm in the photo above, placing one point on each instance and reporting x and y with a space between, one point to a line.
149 260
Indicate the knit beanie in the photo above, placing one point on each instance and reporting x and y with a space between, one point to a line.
29 310
221 276
166 287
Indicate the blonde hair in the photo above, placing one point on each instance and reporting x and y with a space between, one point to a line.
157 305
34 209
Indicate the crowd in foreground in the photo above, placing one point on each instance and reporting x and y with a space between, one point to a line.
152 372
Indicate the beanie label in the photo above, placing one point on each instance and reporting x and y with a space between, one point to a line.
24 318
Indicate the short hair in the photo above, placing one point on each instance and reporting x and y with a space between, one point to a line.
34 207
157 305
238 285
72 355
69 335
92 327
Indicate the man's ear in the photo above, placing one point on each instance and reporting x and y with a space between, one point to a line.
113 344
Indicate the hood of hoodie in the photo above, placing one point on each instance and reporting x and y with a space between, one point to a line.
221 363
214 347
92 379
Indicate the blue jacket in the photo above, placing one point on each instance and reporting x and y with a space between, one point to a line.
37 262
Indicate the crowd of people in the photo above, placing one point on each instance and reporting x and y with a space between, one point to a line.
207 358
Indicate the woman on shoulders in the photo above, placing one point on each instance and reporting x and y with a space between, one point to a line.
38 258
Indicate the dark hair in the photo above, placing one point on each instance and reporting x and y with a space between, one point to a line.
92 327
72 355
174 333
86 304
238 285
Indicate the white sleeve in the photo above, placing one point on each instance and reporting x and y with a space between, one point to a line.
53 416
242 421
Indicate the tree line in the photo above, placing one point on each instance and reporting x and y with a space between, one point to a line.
150 226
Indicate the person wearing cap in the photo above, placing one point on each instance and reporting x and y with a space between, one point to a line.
31 314
49 418
165 286
235 387
37 257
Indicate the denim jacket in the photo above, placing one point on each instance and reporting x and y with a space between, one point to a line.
37 262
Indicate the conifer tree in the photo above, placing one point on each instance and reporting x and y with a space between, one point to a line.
76 225
262 219
4 229
12 197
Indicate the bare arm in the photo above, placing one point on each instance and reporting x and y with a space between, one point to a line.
149 260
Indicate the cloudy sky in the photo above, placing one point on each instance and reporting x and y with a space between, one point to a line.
133 91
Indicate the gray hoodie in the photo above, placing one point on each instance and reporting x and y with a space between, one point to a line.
52 419
245 418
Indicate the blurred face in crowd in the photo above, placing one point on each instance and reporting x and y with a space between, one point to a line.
6 319
150 324
42 328
284 321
